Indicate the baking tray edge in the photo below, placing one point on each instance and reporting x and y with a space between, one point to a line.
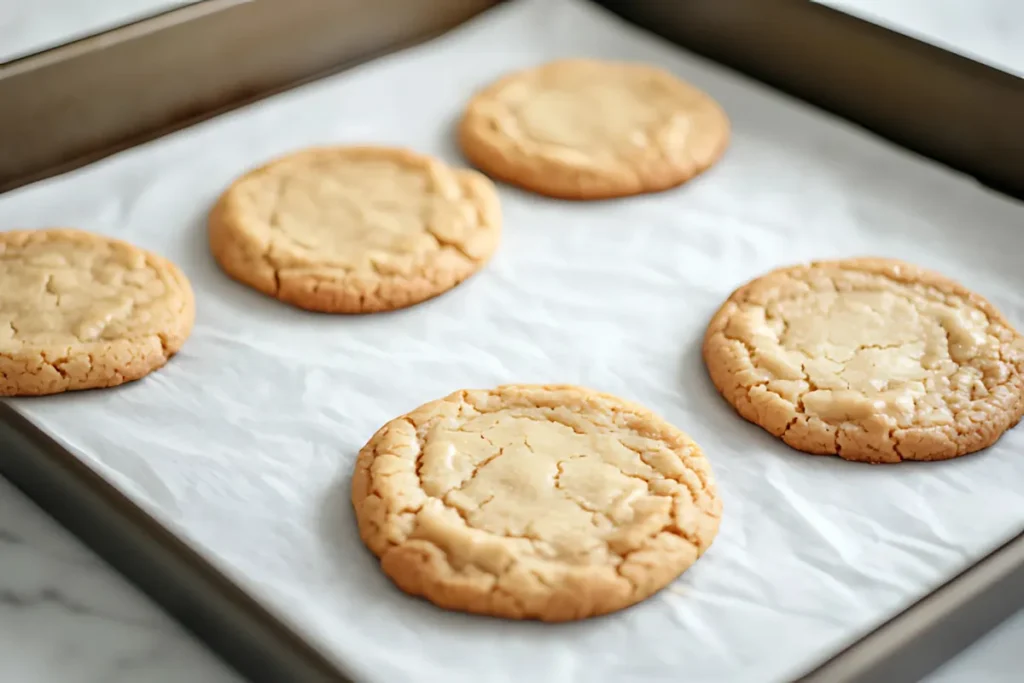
959 112
207 603
81 102
737 33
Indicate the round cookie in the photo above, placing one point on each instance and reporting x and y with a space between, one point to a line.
587 129
83 311
355 229
534 502
873 360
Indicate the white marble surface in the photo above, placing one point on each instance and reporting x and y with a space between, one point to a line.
65 616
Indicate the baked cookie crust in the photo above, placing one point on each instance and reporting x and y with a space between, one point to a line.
871 359
84 311
355 229
589 129
534 502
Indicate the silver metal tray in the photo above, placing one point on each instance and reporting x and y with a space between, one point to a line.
82 102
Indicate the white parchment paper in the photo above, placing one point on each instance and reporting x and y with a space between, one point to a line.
244 443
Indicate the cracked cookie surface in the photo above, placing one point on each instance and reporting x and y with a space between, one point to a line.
84 311
355 229
534 502
589 129
870 359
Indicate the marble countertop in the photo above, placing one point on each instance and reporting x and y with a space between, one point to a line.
65 616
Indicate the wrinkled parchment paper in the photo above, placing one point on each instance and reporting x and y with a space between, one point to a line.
244 443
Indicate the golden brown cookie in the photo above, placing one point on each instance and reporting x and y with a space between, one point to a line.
870 359
355 229
587 129
81 311
534 502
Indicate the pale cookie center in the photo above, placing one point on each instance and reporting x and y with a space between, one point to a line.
366 215
55 293
849 355
518 476
591 118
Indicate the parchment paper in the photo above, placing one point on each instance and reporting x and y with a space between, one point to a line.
244 443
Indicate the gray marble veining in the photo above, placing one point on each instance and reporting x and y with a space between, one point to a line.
66 616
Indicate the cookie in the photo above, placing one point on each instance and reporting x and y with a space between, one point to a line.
873 360
83 311
534 502
355 229
587 129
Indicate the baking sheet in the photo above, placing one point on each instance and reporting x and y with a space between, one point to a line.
30 26
244 443
988 31
995 658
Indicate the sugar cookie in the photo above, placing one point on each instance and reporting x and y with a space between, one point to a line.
534 502
588 129
355 229
869 359
82 311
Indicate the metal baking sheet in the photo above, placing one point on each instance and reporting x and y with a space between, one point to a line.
30 27
926 99
277 401
987 31
84 101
